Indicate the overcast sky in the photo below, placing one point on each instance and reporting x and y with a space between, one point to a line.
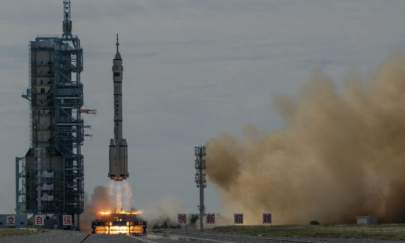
192 70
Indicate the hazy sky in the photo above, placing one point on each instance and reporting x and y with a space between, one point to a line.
192 69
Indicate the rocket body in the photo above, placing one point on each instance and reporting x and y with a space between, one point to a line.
118 169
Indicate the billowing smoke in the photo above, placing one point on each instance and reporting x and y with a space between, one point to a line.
100 200
116 196
163 212
340 155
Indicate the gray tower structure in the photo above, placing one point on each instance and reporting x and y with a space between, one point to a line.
118 169
200 153
53 166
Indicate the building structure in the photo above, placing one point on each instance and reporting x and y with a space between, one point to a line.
49 178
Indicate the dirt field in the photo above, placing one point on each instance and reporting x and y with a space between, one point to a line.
381 232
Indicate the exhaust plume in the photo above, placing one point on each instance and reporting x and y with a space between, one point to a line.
340 155
120 195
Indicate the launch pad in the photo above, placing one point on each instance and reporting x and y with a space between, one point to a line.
119 222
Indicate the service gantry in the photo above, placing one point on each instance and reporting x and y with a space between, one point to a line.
50 175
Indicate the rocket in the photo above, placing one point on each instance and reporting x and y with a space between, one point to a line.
118 145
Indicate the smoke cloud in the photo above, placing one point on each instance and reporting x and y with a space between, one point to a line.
164 210
115 196
100 200
340 155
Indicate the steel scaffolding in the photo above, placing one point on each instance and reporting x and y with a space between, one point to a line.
53 172
200 179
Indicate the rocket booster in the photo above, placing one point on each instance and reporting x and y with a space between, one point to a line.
118 170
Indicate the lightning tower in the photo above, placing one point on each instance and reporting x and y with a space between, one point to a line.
67 19
118 169
200 153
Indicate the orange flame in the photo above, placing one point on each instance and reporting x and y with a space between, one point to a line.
109 212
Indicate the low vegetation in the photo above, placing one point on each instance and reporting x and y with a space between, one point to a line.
14 232
382 232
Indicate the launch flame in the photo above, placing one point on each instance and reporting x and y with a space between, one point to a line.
110 212
116 198
340 155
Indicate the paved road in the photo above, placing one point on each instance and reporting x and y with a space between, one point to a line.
168 237
227 238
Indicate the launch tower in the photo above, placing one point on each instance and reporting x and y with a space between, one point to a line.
50 182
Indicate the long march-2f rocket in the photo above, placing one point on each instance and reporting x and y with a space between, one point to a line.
118 145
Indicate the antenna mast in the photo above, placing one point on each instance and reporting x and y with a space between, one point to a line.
117 43
67 18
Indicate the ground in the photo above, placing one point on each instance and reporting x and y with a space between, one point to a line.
230 234
12 232
382 232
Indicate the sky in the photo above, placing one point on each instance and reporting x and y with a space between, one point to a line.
193 69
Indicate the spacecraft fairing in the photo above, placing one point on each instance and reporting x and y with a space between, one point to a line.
118 145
